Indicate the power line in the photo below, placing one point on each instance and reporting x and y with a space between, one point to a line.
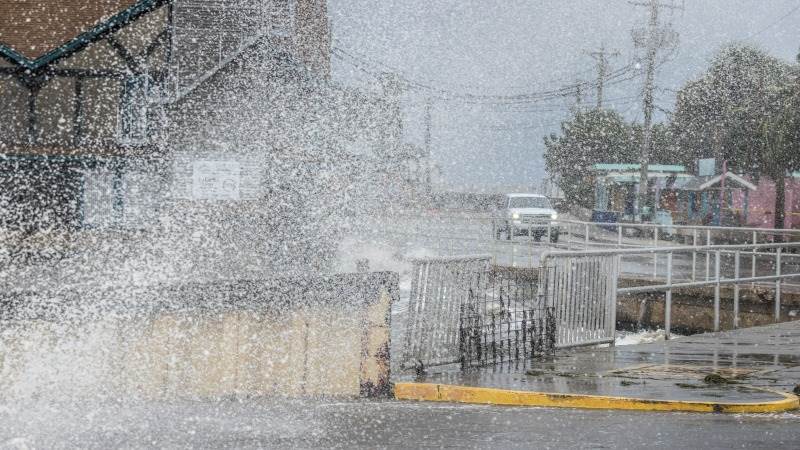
521 127
617 101
364 58
530 97
779 20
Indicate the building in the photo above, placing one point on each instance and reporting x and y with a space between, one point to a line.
758 208
707 200
727 199
616 188
112 111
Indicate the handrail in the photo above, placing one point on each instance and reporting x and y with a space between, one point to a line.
712 282
652 250
717 280
695 227
490 217
478 257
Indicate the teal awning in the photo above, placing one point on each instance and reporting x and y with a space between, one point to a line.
606 167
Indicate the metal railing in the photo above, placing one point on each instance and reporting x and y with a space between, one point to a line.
463 310
581 289
621 235
778 252
580 275
454 234
439 286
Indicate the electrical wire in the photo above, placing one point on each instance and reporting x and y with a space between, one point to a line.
614 77
389 68
779 20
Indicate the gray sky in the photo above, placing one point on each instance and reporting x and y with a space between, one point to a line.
510 47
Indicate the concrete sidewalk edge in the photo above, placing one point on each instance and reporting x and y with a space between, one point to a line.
491 396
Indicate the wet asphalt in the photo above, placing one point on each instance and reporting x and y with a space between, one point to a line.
276 423
755 362
72 422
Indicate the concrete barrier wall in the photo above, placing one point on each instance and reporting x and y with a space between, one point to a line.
693 308
295 337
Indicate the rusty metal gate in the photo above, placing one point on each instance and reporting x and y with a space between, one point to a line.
505 320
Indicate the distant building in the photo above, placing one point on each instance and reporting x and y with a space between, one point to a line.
616 187
710 199
758 208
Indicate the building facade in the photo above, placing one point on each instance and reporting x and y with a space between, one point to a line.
112 110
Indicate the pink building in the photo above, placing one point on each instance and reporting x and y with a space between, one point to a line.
759 206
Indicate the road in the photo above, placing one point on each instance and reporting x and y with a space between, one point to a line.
77 421
470 234
271 423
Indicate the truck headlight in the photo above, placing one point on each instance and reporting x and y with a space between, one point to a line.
554 216
515 216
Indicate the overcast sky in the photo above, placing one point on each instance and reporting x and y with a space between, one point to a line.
506 47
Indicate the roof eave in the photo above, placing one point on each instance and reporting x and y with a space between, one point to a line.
82 40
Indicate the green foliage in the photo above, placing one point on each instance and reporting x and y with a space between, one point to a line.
746 110
719 115
779 131
597 136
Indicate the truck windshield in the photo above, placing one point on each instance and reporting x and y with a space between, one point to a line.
528 202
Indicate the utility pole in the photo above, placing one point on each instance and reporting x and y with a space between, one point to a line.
578 97
426 158
392 134
428 120
601 56
652 39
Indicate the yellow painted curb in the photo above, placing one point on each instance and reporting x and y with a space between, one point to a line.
490 396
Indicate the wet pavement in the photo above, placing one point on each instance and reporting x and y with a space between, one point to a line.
761 357
766 356
276 423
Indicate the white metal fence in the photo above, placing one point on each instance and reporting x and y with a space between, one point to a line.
439 286
461 309
579 277
582 291
782 265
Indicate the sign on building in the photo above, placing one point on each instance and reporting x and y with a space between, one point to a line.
707 167
216 180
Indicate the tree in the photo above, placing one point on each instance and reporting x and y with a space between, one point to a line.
589 137
740 111
597 136
780 141
719 115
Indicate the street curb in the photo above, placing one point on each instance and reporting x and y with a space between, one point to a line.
490 396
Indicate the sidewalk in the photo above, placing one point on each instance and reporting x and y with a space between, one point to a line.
748 370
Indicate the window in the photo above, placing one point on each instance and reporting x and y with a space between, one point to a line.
528 202
281 17
116 197
133 110
99 198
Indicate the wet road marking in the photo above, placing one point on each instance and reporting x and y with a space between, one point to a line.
491 396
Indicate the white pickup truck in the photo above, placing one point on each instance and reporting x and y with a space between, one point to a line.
525 214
